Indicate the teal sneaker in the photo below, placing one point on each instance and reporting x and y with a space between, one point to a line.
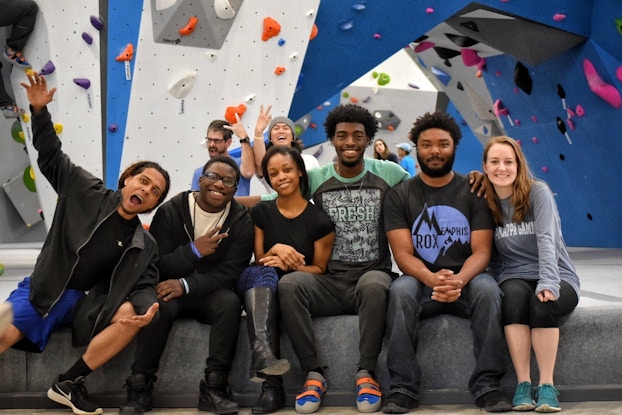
547 399
522 398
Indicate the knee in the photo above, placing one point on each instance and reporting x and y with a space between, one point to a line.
542 315
32 8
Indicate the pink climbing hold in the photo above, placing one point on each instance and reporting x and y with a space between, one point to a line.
499 110
423 46
429 10
570 113
558 17
619 73
534 118
571 124
377 36
579 110
534 140
604 90
470 57
545 169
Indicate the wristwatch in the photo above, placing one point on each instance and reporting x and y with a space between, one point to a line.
245 140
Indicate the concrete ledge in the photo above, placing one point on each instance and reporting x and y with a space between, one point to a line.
589 364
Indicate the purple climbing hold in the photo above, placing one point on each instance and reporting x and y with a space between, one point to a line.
87 38
97 22
47 69
83 82
113 128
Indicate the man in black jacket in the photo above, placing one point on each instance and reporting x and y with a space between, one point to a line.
205 241
96 243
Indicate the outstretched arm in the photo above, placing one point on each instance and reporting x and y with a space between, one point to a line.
259 146
247 165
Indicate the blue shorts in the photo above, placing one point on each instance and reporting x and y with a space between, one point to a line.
28 320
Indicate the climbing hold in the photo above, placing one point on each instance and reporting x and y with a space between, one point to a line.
470 57
313 125
545 169
534 140
87 38
345 94
211 56
423 46
358 7
281 42
293 56
97 22
413 86
579 110
522 79
310 13
374 74
619 73
354 100
25 117
113 128
558 17
482 64
47 69
561 126
366 99
17 133
442 76
498 74
314 31
571 124
29 179
534 118
250 99
383 79
189 27
83 82
618 23
164 4
562 95
58 128
127 54
515 90
279 70
517 121
181 87
570 113
500 109
429 10
346 25
223 9
604 90
377 36
230 114
271 28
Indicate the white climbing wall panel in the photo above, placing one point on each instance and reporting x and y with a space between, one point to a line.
169 130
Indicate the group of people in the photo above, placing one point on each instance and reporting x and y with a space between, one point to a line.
321 245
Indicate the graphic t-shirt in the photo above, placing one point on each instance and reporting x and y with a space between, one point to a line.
440 219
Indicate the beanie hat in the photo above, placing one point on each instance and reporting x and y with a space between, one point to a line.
284 120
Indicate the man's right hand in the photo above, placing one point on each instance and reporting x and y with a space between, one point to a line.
208 243
37 92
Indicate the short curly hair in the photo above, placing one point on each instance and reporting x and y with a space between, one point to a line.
350 113
437 119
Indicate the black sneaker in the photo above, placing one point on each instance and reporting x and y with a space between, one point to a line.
139 394
399 403
74 395
494 401
216 400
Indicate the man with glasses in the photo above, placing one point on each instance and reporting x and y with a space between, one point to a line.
205 241
218 140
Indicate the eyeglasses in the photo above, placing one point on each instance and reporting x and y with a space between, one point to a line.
214 140
213 178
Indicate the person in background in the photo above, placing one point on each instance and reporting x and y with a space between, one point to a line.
538 280
218 141
440 234
407 162
381 151
205 241
96 243
21 15
281 132
291 234
358 275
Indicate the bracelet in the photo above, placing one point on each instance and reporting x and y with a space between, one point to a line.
183 289
195 250
257 137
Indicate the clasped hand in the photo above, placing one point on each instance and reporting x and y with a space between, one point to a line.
447 287
283 257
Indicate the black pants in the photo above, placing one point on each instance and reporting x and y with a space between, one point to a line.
221 309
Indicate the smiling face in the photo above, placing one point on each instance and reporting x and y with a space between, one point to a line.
501 169
281 135
141 193
350 141
435 152
283 175
214 195
217 145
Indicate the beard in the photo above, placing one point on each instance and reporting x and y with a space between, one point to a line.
437 172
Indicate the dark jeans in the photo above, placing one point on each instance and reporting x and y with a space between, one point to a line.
303 296
521 306
409 300
221 309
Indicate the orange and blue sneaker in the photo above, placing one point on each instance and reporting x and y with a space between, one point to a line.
15 57
368 395
310 398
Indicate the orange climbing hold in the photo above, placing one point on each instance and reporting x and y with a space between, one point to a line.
127 54
189 28
279 70
271 28
231 111
314 31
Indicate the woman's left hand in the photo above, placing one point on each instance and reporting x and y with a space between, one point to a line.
546 295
